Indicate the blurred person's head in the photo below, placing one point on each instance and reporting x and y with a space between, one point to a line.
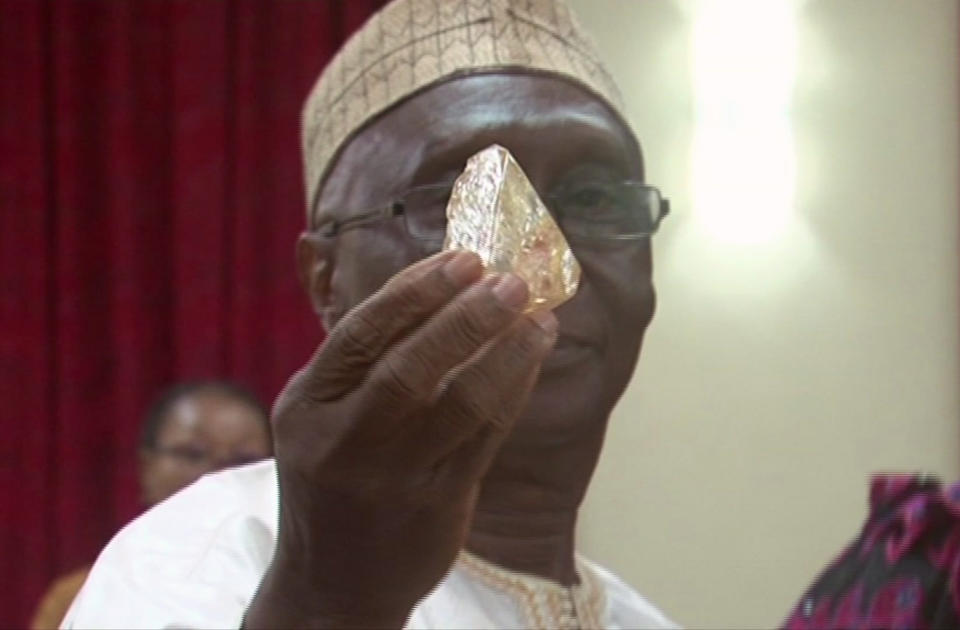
196 428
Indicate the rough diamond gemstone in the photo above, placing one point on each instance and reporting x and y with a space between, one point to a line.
495 212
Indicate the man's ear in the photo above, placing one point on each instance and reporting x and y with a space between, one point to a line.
315 269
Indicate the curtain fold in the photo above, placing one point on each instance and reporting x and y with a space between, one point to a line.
150 196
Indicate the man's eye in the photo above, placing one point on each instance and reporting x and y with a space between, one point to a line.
589 198
591 203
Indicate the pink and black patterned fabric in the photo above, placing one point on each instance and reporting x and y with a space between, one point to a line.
902 571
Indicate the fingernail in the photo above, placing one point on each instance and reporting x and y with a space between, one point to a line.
511 291
463 268
546 320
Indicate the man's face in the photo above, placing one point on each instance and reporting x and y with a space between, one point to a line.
558 133
202 433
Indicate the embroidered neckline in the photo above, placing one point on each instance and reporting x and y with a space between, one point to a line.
540 599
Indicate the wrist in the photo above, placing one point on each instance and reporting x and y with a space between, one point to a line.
285 599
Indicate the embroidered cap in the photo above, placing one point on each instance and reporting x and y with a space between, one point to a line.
411 45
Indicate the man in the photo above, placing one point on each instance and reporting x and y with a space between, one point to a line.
432 455
190 430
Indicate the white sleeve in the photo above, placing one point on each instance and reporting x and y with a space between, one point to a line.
193 561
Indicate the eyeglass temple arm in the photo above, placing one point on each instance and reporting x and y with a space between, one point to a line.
393 209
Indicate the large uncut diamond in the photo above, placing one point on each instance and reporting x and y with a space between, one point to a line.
495 212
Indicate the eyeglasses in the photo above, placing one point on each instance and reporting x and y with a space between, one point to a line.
596 211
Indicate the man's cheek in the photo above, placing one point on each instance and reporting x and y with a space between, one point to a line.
367 260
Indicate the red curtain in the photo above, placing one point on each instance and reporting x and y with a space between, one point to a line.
150 196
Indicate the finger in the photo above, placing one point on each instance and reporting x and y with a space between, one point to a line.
411 371
490 391
403 303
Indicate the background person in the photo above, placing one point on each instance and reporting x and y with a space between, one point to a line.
191 429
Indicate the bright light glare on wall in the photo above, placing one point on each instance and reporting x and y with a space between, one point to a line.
744 55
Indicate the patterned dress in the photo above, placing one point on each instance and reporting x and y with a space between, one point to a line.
902 571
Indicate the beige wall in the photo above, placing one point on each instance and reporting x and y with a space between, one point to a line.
807 329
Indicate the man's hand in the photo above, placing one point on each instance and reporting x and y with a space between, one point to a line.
383 437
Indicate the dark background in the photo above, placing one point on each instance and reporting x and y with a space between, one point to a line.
151 192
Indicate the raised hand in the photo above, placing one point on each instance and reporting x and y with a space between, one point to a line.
383 437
